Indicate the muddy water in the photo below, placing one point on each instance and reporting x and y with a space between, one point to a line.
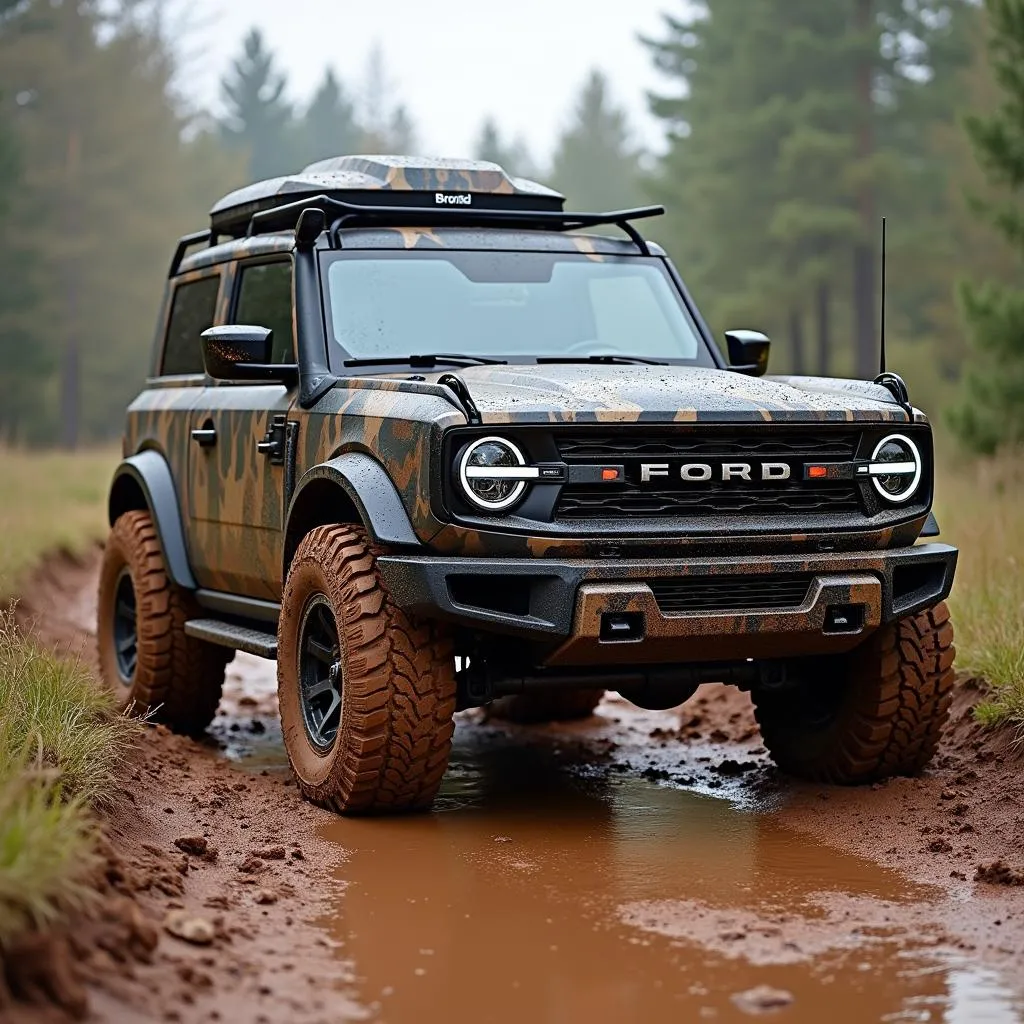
541 892
557 885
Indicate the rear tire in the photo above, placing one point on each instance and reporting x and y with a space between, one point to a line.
546 706
145 656
874 713
367 693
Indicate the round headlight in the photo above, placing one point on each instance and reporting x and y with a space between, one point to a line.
896 468
492 473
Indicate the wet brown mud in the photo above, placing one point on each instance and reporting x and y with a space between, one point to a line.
637 866
542 891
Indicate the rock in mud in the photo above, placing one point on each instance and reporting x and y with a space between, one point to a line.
762 999
189 928
195 845
998 873
252 865
271 853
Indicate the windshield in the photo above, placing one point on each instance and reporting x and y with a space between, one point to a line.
508 305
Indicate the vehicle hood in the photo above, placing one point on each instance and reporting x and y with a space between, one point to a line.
586 393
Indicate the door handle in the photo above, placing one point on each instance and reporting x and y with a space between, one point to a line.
205 437
273 443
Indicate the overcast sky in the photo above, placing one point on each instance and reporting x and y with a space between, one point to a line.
452 65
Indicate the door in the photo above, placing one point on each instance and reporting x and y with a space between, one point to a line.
238 452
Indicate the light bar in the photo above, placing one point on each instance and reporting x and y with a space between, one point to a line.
502 472
888 469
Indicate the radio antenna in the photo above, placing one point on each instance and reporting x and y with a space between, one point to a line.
882 331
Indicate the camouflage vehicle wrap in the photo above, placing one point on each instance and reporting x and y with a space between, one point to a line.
602 562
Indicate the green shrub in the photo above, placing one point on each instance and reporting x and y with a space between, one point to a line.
63 746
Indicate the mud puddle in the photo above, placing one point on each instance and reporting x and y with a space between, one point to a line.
542 891
558 880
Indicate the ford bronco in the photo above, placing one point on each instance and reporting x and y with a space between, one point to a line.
423 437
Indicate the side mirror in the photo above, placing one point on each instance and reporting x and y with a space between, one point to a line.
748 352
244 352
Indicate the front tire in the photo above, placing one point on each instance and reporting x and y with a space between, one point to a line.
546 706
366 692
145 656
869 715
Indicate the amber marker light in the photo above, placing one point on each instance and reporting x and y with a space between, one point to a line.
817 472
609 474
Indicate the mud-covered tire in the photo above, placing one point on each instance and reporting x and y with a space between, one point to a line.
177 679
869 715
545 706
397 676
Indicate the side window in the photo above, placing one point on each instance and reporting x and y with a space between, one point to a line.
192 311
265 300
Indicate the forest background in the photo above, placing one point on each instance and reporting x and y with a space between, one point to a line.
789 129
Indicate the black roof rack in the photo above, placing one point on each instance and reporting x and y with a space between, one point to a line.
204 237
347 215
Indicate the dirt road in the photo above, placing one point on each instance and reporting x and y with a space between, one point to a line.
637 867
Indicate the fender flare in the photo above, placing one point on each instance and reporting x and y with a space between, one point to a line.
149 474
369 488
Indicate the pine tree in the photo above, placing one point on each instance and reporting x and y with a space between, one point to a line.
726 120
387 125
961 238
108 185
259 117
401 131
513 156
794 126
596 164
25 365
992 410
329 127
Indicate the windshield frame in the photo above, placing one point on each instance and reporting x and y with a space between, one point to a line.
708 354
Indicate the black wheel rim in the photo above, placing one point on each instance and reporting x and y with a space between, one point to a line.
819 698
126 637
320 674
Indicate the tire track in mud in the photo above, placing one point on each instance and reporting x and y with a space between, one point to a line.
280 953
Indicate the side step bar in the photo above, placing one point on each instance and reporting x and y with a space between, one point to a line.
240 638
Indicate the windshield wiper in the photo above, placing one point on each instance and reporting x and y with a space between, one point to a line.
425 362
602 359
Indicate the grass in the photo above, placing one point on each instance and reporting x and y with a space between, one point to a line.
980 508
51 501
62 749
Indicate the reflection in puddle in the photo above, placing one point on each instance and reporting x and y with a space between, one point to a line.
539 893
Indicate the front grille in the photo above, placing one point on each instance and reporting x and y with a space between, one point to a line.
666 499
623 502
731 593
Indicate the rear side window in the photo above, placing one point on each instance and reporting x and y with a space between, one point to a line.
265 300
192 312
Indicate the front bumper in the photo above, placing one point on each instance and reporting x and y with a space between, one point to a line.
591 611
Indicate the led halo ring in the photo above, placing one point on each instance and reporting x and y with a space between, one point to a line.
911 489
517 491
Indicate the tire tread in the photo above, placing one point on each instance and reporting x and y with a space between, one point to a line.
900 687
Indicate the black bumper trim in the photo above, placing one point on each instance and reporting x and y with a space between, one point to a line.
420 583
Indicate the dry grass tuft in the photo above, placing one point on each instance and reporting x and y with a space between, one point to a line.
52 501
981 509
